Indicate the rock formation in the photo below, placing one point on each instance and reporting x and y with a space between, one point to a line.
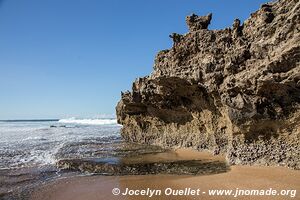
179 167
195 22
234 91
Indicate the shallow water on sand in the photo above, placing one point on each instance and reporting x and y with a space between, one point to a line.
33 153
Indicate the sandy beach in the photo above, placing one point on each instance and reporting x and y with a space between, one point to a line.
241 177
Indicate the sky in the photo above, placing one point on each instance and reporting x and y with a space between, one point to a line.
72 58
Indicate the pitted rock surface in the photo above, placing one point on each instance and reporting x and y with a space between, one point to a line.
234 91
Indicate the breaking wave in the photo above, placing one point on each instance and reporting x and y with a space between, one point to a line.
89 121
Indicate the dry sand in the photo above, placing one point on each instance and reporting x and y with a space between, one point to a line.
242 177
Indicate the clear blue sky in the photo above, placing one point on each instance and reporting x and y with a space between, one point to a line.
64 58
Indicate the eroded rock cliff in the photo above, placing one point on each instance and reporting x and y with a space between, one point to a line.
234 91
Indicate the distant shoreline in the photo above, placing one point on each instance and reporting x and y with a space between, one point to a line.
40 120
30 120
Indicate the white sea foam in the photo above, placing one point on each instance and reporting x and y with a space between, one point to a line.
89 121
25 144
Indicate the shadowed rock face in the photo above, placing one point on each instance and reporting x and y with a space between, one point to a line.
234 91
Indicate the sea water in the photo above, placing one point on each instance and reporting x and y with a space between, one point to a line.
29 149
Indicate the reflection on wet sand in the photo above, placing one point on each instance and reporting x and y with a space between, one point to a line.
243 177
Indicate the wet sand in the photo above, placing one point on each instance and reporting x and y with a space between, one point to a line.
242 177
176 155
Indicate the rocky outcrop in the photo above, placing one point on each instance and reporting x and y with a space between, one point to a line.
138 159
234 91
179 167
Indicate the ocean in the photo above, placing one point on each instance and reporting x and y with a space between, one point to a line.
29 149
